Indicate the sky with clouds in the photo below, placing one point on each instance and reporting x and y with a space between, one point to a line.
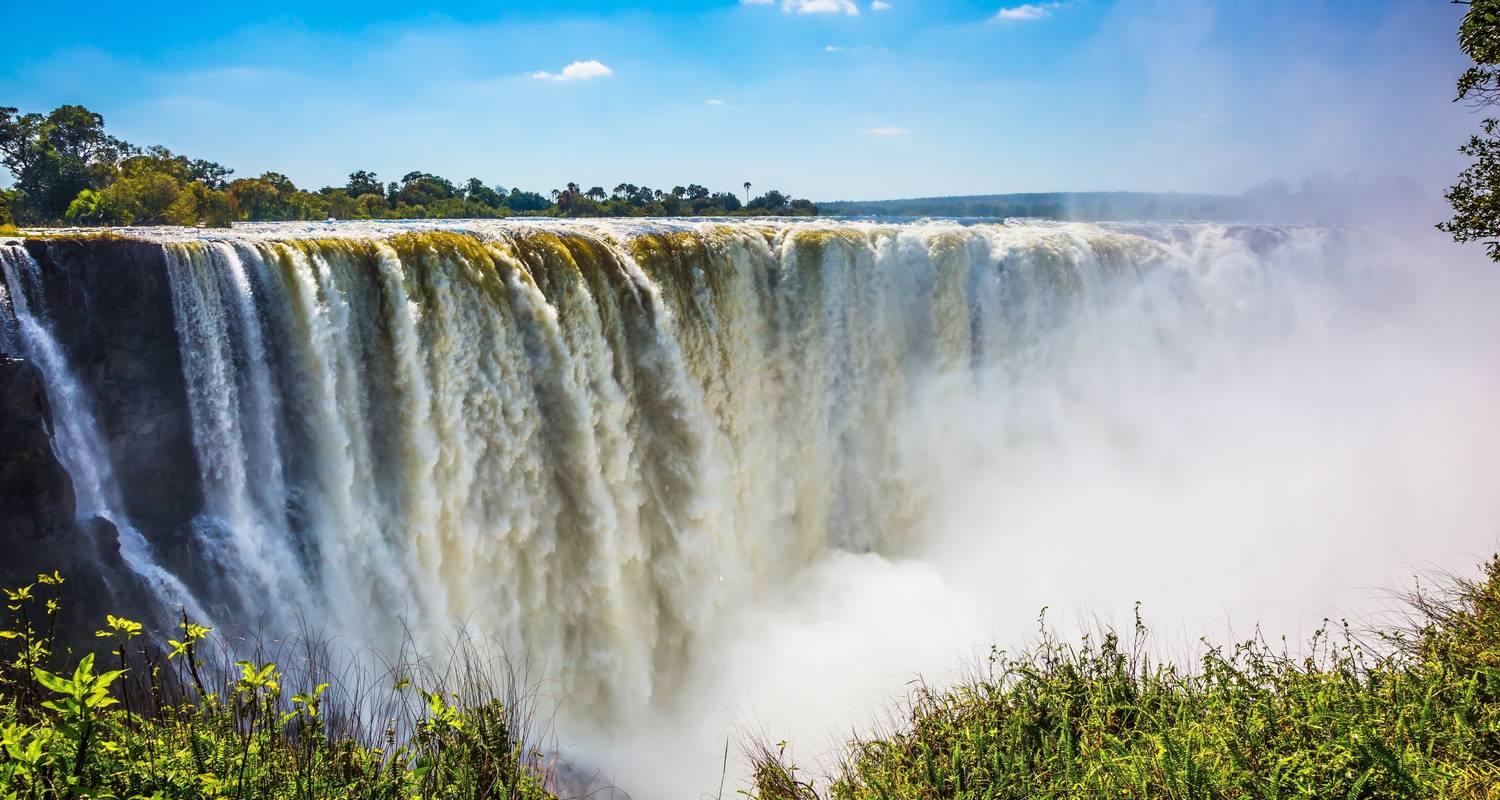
829 99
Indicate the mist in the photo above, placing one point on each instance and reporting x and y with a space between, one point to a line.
1270 444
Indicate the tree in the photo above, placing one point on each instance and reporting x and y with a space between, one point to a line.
728 201
1476 196
215 208
149 197
568 199
772 201
211 175
364 182
518 200
96 208
422 188
747 192
478 192
54 157
279 182
256 199
597 194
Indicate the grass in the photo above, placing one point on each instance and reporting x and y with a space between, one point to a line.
1412 712
183 720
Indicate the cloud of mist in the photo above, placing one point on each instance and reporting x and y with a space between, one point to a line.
1232 446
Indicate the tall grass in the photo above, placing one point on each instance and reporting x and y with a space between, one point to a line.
186 718
1410 712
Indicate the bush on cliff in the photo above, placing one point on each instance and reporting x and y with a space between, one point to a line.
180 722
1407 713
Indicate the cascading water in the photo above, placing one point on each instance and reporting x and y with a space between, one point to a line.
76 437
704 475
586 440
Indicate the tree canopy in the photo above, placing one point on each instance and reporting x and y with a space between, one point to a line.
1476 204
68 169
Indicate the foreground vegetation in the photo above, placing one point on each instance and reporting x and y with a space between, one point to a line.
182 721
67 169
1412 712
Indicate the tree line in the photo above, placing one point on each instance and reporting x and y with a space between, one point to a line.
68 170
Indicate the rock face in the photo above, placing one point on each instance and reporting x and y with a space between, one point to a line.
38 531
109 307
36 496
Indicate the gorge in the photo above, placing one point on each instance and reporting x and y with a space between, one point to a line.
594 442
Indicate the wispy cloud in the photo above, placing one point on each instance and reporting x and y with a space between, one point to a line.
1026 12
713 101
810 6
576 71
891 131
879 5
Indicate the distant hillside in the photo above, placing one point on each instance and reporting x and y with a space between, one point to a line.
1053 205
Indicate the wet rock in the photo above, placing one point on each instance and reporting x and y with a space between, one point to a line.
110 306
38 529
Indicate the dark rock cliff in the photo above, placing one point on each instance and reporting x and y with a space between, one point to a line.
38 528
109 306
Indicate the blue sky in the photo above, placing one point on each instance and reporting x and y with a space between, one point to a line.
822 98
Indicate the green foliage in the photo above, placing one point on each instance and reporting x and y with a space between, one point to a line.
147 196
68 169
96 208
1476 208
179 728
7 205
1416 714
56 156
364 182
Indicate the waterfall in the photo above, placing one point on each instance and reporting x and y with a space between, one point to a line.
586 440
79 444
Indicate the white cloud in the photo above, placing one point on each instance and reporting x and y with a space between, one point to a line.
810 6
1027 11
820 6
891 131
576 71
833 48
879 5
714 101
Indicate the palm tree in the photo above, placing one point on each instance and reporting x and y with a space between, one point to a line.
747 193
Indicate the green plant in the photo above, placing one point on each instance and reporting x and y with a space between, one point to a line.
188 720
